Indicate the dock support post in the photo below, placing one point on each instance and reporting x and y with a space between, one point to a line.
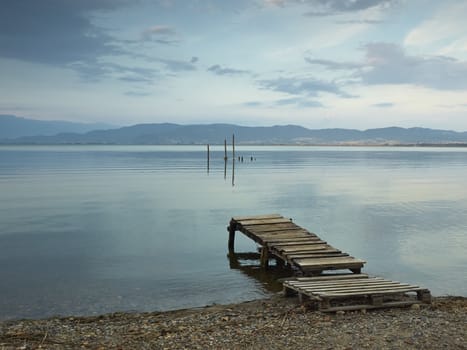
232 237
264 257
424 296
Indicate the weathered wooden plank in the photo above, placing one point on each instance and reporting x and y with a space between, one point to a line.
296 231
388 291
272 228
350 259
343 283
256 217
353 288
271 221
326 281
280 245
292 233
330 266
334 276
326 250
307 248
316 255
293 241
285 237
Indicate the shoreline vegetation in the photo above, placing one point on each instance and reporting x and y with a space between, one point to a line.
273 323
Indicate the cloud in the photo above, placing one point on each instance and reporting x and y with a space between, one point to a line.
299 102
333 65
302 86
194 59
360 21
383 105
55 31
253 104
135 79
390 64
387 63
94 71
217 69
159 30
446 24
176 65
333 7
137 93
160 34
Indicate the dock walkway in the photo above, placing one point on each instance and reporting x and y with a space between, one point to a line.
366 292
309 256
289 243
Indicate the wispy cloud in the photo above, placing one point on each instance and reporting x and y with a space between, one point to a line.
95 71
302 86
360 21
390 64
159 30
55 32
445 26
332 7
137 93
160 34
334 65
299 102
177 65
383 105
219 70
387 63
252 104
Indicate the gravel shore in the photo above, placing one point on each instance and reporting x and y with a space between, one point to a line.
274 323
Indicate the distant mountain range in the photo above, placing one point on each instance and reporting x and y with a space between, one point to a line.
171 134
12 127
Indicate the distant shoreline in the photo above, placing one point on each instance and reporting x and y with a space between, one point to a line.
424 145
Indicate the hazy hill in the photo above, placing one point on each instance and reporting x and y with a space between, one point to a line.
170 134
12 127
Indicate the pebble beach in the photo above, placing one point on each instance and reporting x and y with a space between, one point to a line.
273 323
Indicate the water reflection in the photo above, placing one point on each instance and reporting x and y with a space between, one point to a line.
98 229
248 264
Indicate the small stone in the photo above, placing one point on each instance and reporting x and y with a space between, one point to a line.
415 307
340 313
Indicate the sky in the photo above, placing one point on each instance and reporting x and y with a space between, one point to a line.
317 63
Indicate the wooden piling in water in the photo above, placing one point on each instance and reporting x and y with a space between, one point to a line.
232 230
233 146
208 158
225 149
233 171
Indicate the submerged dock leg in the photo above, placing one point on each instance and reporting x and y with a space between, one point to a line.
264 257
231 237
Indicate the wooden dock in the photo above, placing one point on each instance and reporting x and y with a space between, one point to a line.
291 244
366 292
309 256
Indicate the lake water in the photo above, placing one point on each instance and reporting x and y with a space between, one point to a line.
94 229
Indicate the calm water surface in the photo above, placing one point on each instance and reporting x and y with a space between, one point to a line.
94 229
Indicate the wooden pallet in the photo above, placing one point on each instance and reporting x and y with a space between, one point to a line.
354 292
282 239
